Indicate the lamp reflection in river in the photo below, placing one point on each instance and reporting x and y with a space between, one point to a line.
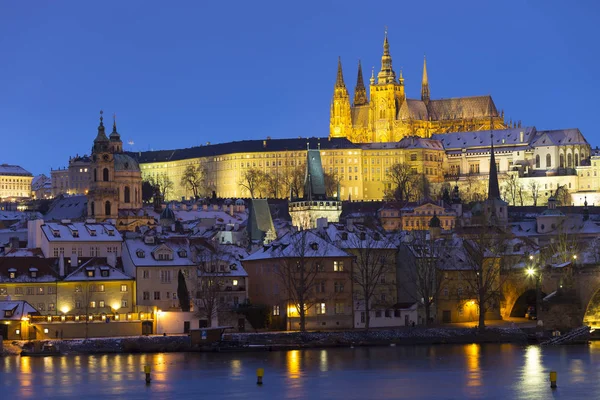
474 369
293 364
323 364
532 374
236 367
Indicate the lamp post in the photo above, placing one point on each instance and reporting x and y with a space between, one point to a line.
536 273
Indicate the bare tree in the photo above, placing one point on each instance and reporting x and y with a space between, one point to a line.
520 194
332 181
562 195
534 189
253 180
300 267
420 265
401 178
162 184
475 189
374 268
511 185
210 281
193 179
294 179
274 184
484 270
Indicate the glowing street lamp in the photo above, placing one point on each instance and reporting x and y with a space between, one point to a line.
530 271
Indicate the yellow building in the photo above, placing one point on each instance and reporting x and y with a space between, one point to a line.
15 182
389 115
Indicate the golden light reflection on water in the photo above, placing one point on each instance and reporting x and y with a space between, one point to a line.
236 367
577 371
293 364
473 365
323 364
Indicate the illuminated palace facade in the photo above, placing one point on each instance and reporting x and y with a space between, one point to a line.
447 140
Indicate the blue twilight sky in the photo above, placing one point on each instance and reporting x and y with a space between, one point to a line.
183 73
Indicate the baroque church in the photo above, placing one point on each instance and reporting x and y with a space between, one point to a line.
389 116
116 186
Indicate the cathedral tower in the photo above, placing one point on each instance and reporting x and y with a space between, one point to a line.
340 122
360 92
425 83
386 97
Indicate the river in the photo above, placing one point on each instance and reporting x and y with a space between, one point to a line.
490 371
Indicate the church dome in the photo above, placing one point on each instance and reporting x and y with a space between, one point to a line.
124 162
435 222
167 214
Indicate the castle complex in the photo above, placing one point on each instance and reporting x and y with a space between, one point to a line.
446 140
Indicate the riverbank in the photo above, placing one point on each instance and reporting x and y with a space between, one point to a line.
285 340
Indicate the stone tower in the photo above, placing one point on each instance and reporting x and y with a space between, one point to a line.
386 96
340 122
315 204
116 177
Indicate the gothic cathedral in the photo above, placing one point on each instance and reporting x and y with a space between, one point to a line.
389 115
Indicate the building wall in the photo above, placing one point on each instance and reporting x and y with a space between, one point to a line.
15 186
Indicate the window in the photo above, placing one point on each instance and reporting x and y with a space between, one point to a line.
276 311
91 273
377 314
319 267
548 160
446 292
123 303
34 273
338 287
165 276
537 161
339 308
92 304
338 266
40 290
12 275
51 307
460 311
235 282
320 287
77 304
30 291
123 288
321 309
101 304
474 168
92 288
156 295
41 306
146 296
100 288
146 274
3 291
104 273
459 291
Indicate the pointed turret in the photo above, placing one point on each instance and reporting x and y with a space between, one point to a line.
425 83
115 135
339 80
387 74
101 141
340 121
360 93
494 187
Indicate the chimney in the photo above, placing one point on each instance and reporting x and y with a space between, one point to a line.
14 242
74 260
521 136
61 265
322 223
111 259
231 210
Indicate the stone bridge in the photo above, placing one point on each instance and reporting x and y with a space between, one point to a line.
575 300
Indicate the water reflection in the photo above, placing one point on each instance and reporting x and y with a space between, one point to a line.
420 372
473 365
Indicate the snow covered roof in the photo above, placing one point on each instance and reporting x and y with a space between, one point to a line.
97 270
305 244
142 254
14 310
81 232
13 170
359 236
22 266
67 207
502 137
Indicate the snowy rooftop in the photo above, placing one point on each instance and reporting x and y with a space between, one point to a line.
97 270
81 232
16 309
13 170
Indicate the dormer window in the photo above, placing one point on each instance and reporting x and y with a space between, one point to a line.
33 272
90 272
182 253
55 233
104 272
140 253
314 246
12 273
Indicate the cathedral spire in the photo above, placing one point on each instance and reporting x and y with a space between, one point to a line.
425 82
101 134
387 74
494 187
339 81
115 135
360 93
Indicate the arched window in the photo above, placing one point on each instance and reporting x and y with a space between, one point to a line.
105 175
569 160
126 195
562 161
107 208
92 210
537 160
548 161
95 177
576 160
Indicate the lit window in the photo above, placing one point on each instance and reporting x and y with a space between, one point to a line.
123 288
321 309
92 304
101 303
235 282
276 310
338 266
123 303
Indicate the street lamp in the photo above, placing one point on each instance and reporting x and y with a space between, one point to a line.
530 271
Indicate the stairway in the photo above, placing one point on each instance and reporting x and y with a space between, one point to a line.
572 336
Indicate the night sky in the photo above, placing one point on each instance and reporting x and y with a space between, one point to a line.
183 73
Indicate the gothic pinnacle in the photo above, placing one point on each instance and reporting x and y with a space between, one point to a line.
339 81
